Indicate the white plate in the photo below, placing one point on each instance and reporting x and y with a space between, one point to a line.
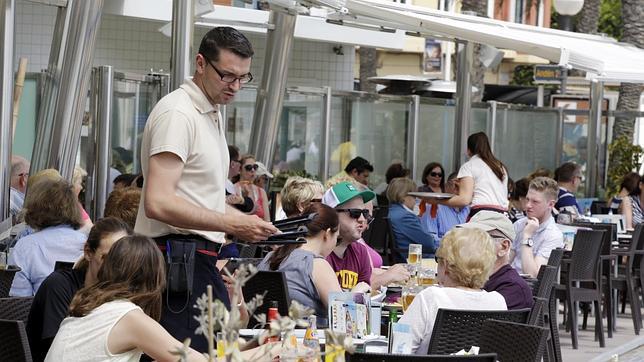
431 195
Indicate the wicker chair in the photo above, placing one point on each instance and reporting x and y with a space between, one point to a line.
555 257
457 329
513 341
6 279
629 277
273 285
15 345
584 266
377 357
15 308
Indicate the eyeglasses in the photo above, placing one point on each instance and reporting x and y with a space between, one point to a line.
436 174
231 78
250 168
355 213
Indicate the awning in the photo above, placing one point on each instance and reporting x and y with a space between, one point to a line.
602 57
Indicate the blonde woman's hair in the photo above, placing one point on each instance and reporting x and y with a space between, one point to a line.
399 188
77 177
299 191
468 255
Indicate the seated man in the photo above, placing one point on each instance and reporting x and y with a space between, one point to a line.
504 279
349 259
446 217
568 176
357 169
536 234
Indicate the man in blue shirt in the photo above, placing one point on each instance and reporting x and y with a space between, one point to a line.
568 176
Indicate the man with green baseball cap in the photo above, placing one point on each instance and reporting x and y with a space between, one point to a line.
504 279
350 260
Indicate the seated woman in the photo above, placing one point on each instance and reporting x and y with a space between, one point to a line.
309 276
246 187
446 217
405 224
628 201
51 303
52 210
465 260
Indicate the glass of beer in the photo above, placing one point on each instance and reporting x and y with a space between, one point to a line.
408 294
427 277
415 257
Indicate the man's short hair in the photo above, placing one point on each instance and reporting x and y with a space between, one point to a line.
548 186
233 152
520 188
19 165
359 164
225 37
299 191
567 172
399 188
124 204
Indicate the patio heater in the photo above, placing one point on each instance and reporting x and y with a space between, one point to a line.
567 9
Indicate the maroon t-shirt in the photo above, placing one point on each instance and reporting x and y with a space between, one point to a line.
354 267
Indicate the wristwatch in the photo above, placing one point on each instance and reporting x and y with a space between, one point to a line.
529 242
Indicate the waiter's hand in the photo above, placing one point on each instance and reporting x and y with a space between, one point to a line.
251 228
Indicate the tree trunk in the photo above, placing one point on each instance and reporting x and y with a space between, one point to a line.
368 65
587 22
478 70
629 94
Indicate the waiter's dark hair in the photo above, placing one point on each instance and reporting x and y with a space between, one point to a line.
225 37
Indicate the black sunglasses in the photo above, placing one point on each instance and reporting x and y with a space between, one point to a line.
436 174
230 78
355 213
250 168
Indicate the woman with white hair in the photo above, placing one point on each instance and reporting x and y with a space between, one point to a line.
465 261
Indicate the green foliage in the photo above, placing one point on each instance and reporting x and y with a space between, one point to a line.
523 75
624 157
610 18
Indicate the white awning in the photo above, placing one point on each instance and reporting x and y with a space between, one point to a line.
602 57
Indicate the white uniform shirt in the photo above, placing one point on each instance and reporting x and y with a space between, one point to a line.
421 314
488 189
186 124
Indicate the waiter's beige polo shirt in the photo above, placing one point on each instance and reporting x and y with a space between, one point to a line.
187 125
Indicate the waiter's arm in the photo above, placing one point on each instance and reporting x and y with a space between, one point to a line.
162 203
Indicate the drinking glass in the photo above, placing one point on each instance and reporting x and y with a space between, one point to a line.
427 277
408 295
415 257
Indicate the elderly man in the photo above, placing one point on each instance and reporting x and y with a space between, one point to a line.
537 234
350 260
504 279
19 175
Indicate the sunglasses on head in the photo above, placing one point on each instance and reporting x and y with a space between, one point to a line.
436 174
250 168
355 213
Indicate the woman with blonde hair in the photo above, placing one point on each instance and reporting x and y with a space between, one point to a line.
465 261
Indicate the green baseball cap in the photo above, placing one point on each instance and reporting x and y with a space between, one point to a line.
343 192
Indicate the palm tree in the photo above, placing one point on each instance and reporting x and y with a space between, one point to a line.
368 66
478 70
629 93
588 19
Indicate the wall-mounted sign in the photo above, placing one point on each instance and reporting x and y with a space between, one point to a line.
548 74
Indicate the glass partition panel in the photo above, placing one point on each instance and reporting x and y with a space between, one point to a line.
525 140
478 122
299 137
371 127
435 137
239 118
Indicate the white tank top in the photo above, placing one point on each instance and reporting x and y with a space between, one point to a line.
84 339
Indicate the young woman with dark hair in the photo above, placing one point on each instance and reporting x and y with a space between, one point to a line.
52 300
309 276
483 180
116 318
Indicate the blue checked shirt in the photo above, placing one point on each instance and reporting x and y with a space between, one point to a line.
446 218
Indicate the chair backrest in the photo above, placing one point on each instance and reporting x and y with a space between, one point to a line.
378 357
15 308
609 236
513 341
539 306
15 345
555 257
545 281
6 279
273 283
597 207
377 234
637 243
457 329
584 265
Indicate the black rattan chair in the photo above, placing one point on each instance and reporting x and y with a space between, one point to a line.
629 277
6 279
584 267
555 257
273 283
378 357
536 317
15 345
15 308
456 329
513 341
